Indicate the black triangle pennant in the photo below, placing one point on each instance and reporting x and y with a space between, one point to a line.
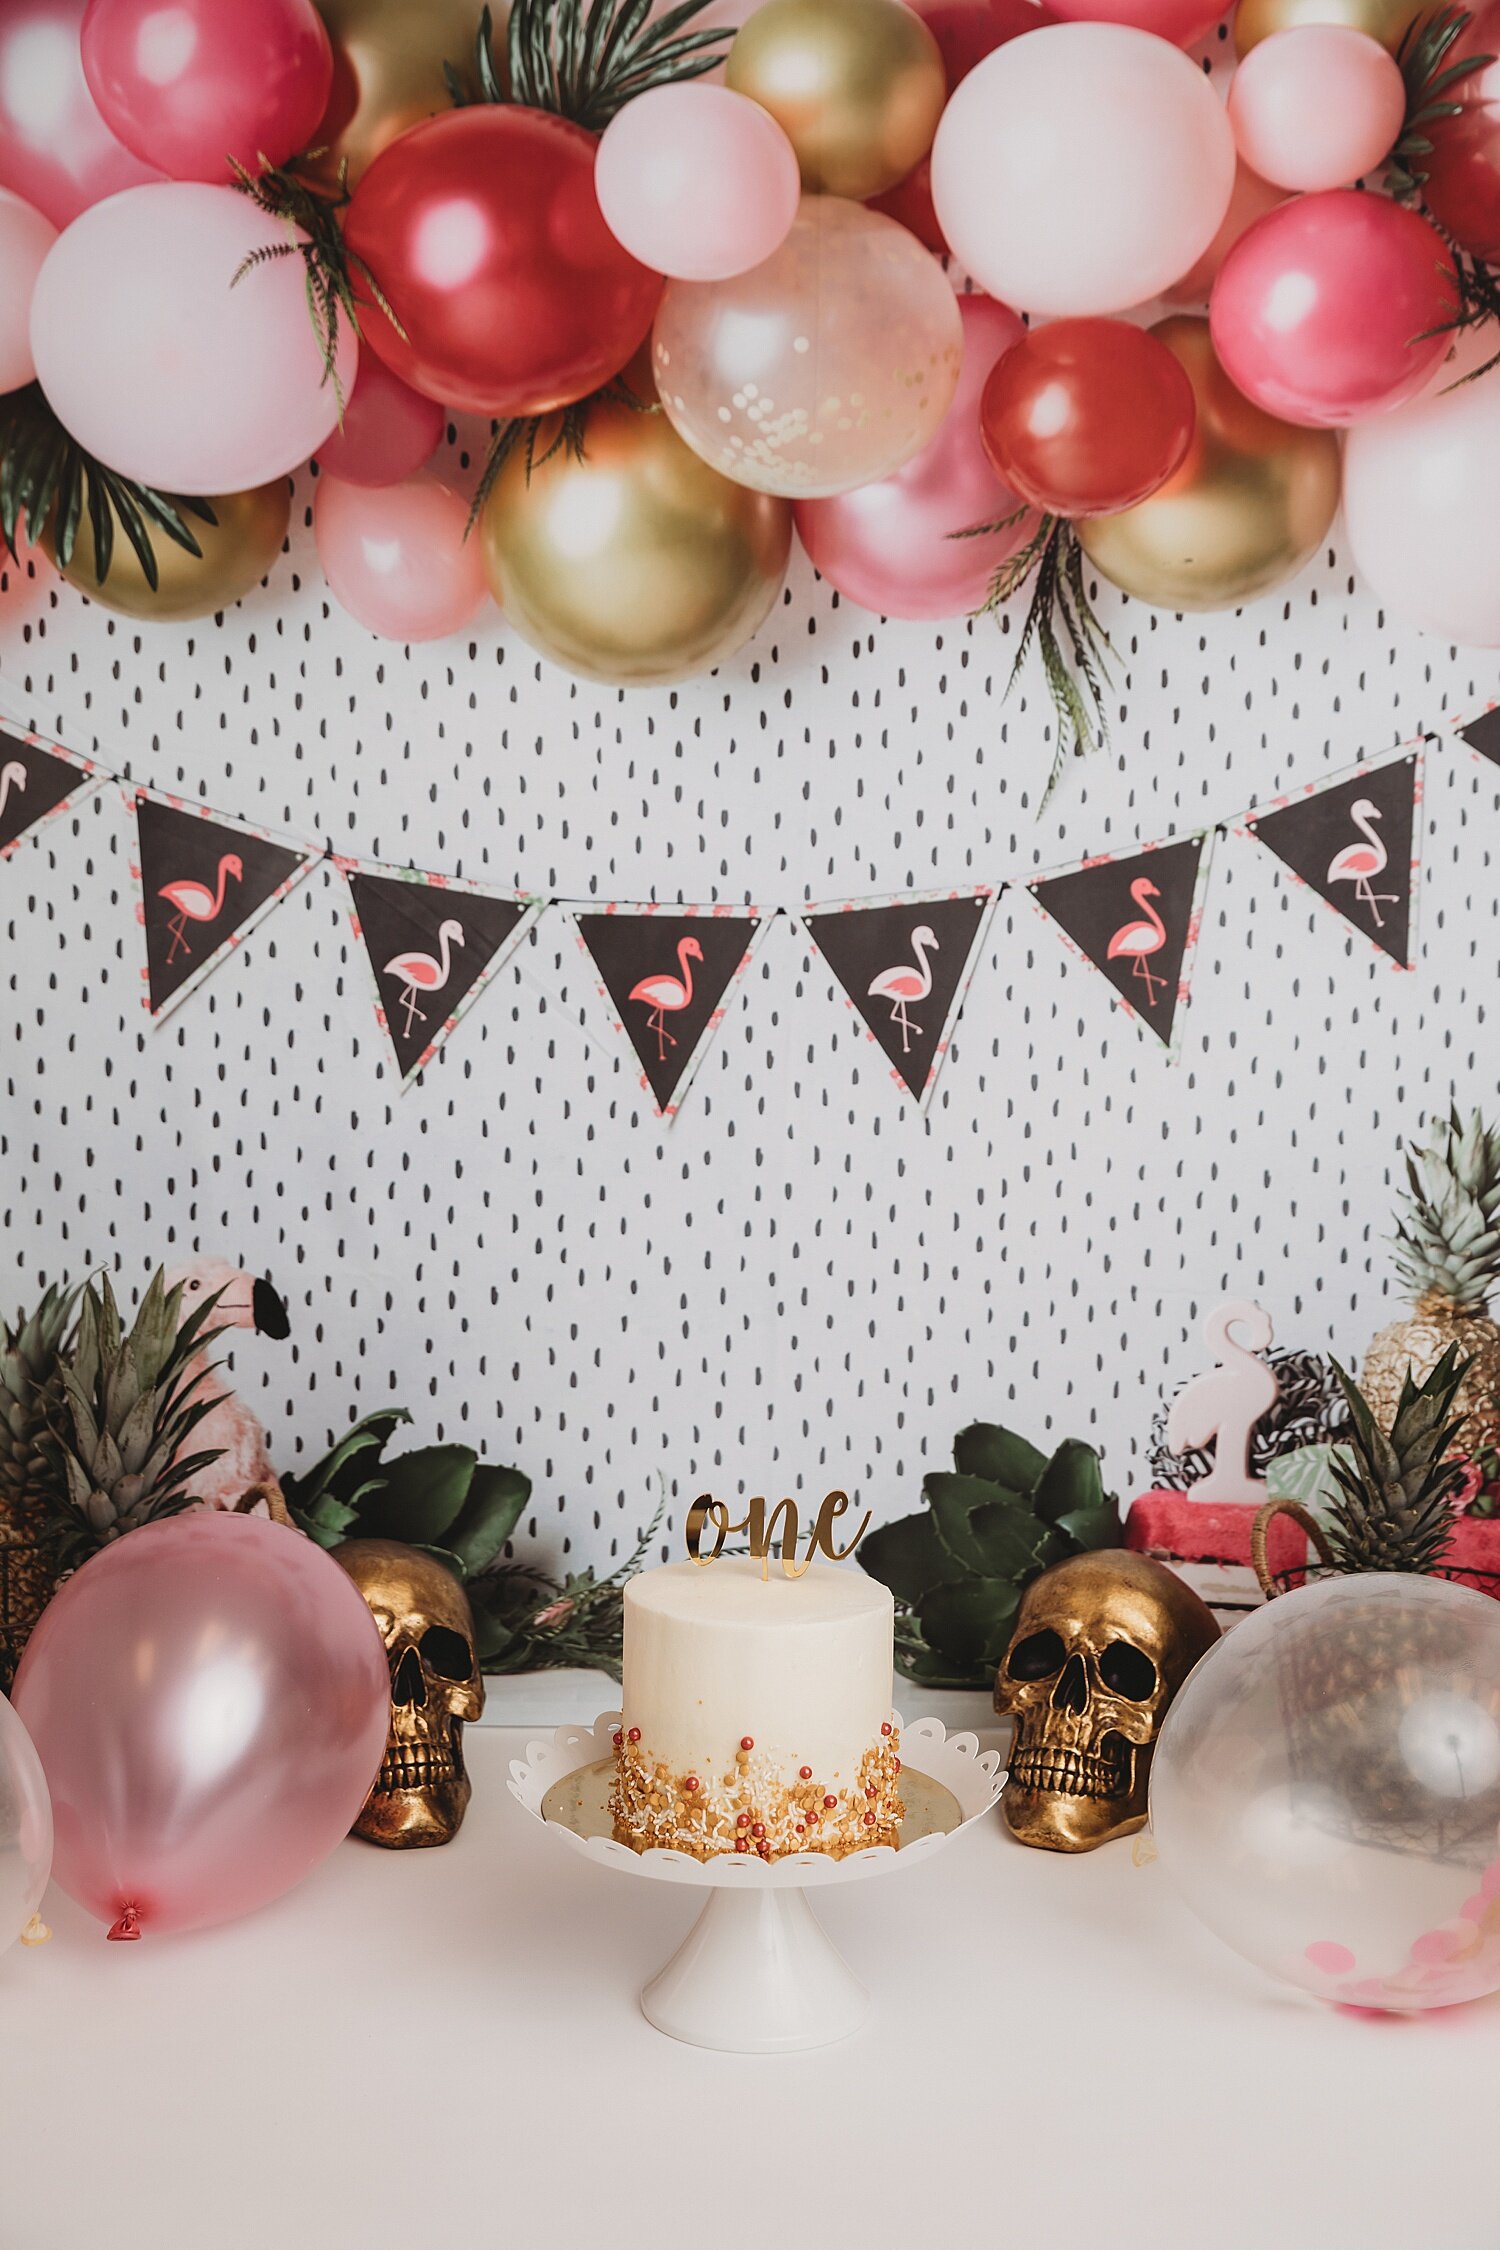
1353 841
204 884
35 783
1483 734
905 965
665 977
433 947
1136 919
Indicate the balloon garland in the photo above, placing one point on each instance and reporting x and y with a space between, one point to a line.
695 312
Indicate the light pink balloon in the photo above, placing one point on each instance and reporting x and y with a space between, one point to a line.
1082 168
389 430
1316 106
209 1698
1251 199
1422 502
397 559
204 387
697 182
55 149
25 239
1182 21
191 84
890 546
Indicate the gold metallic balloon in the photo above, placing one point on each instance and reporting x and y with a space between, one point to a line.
638 563
1385 20
1250 504
857 86
238 551
388 58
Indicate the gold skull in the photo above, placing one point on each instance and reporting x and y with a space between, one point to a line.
422 1789
1102 1644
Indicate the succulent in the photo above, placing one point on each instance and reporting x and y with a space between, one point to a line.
1396 1506
957 1568
440 1498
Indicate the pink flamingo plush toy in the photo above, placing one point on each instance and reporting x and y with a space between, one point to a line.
244 1302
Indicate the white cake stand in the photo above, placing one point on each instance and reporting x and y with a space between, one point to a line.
756 1974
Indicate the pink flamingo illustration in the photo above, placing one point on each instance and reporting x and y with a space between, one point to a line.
1140 939
667 995
195 902
12 778
905 984
1360 863
419 972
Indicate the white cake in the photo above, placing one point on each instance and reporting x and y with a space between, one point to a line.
756 1711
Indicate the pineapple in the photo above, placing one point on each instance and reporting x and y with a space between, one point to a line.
116 1456
30 1393
1395 1510
1447 1246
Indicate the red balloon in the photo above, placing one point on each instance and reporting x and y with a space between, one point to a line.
1463 171
484 232
1085 417
910 204
189 86
389 431
1324 312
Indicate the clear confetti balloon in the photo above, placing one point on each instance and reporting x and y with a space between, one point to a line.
825 367
25 1828
1326 1791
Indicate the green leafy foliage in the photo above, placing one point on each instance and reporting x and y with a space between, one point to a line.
441 1498
1395 1510
312 215
48 479
33 1347
958 1567
1062 627
585 59
526 1621
1431 77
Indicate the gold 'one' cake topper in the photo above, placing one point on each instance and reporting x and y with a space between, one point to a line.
777 1533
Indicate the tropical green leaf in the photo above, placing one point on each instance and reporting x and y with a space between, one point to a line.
1010 1540
969 1623
422 1494
494 1505
985 1449
1072 1480
1092 1527
906 1556
953 1500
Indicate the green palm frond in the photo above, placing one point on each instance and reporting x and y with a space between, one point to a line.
585 59
1425 57
311 213
525 431
46 476
1058 613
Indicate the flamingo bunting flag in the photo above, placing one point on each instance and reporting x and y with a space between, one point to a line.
904 965
38 780
1135 919
665 975
203 883
433 946
1354 841
1483 733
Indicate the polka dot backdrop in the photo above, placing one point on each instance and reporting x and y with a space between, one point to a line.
802 1282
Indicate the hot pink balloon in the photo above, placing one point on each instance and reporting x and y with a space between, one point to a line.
189 85
1323 313
1316 106
890 546
25 239
55 149
209 1698
697 182
1183 22
397 559
389 430
204 387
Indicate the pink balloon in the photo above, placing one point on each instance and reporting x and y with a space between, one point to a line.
204 387
1183 22
1082 168
189 85
1323 312
397 559
210 1708
389 430
55 149
1422 502
890 546
25 239
1251 199
697 182
1316 106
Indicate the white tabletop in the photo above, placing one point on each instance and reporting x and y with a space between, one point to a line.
445 2047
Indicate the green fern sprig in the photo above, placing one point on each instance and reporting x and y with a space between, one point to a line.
585 59
524 431
1424 56
310 212
1076 674
47 476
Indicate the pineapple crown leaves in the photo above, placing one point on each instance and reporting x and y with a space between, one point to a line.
46 476
585 59
1396 1509
1059 612
1004 1513
311 213
1431 77
440 1498
1447 1237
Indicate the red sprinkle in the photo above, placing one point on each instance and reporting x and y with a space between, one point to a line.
692 1782
806 1772
868 1792
740 1844
747 1742
830 1802
898 1765
869 1820
635 1734
619 1738
759 1829
801 1830
764 1850
743 1821
885 1726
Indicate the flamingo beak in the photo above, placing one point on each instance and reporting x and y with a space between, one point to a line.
268 1312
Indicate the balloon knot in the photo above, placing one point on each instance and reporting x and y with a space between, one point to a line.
36 1932
128 1926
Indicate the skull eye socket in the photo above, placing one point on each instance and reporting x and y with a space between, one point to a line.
1128 1671
447 1653
1037 1657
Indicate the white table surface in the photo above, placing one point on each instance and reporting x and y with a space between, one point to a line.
436 2048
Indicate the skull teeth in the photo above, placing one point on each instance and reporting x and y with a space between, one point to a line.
1070 1773
414 1769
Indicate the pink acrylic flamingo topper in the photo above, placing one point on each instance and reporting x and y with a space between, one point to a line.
667 995
1139 940
907 983
195 902
420 972
12 778
1223 1406
1359 864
